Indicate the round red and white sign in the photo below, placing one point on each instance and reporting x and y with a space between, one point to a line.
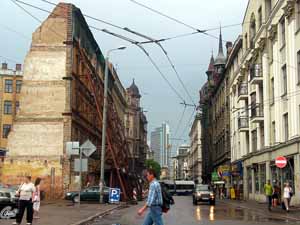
280 162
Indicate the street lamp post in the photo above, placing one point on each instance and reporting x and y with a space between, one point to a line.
101 184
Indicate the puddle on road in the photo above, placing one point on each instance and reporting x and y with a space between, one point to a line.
214 213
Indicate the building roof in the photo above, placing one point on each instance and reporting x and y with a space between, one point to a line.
220 59
134 89
211 64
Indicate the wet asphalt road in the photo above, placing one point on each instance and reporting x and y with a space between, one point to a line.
185 213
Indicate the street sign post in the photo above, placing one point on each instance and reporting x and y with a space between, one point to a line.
114 195
280 162
81 165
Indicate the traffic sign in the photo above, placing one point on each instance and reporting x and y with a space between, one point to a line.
88 148
114 195
72 148
280 162
84 165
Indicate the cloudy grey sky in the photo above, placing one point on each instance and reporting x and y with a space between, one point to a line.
190 54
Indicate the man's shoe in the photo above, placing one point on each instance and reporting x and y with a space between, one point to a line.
28 223
15 223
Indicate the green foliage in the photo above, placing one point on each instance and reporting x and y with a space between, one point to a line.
150 163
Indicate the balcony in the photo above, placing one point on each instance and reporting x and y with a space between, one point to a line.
243 123
257 113
243 91
256 75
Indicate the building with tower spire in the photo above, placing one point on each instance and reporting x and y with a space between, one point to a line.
215 118
136 129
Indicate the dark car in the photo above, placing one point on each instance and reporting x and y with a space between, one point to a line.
8 203
202 193
88 194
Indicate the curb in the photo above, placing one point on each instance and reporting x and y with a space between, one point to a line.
257 210
82 222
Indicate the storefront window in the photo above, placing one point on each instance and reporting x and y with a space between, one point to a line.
256 179
288 173
262 170
249 176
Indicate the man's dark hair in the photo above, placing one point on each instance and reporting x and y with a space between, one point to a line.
152 172
28 177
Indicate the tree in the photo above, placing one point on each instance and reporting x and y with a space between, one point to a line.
150 163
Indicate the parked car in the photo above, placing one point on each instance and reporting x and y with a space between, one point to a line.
8 203
202 193
88 194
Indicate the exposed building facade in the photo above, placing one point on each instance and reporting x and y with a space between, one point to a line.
195 152
62 100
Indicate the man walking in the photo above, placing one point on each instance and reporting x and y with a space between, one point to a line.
269 192
154 201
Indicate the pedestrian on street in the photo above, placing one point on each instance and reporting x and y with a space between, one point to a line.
37 198
276 194
287 194
154 201
25 193
269 193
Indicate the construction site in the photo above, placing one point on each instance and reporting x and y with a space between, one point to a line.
61 100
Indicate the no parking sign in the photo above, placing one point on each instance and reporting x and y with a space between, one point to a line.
114 195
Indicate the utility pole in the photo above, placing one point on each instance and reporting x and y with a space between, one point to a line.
101 184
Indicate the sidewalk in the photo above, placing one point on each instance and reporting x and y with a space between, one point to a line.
65 213
262 208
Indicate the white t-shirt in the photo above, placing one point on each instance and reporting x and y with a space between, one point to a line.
26 191
286 192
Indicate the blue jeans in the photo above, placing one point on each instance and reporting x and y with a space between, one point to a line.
154 216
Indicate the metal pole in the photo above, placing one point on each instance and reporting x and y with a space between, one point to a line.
104 129
104 123
80 171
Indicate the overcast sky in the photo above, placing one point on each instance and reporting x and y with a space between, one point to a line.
190 54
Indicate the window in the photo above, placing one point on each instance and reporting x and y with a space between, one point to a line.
246 41
282 28
272 92
270 51
8 86
273 132
256 178
286 126
268 4
17 106
6 130
299 120
249 176
254 140
298 66
297 15
284 80
18 86
262 176
7 107
259 17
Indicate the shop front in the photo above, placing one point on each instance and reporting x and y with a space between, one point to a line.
261 167
237 179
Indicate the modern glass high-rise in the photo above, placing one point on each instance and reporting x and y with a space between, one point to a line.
160 145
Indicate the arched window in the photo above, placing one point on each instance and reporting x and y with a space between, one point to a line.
252 30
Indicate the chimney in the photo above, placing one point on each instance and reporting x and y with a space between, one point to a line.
18 67
4 66
228 47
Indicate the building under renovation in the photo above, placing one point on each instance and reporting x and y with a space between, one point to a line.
62 100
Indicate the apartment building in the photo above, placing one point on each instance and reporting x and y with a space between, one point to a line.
266 119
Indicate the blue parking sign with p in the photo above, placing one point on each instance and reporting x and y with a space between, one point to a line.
114 195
